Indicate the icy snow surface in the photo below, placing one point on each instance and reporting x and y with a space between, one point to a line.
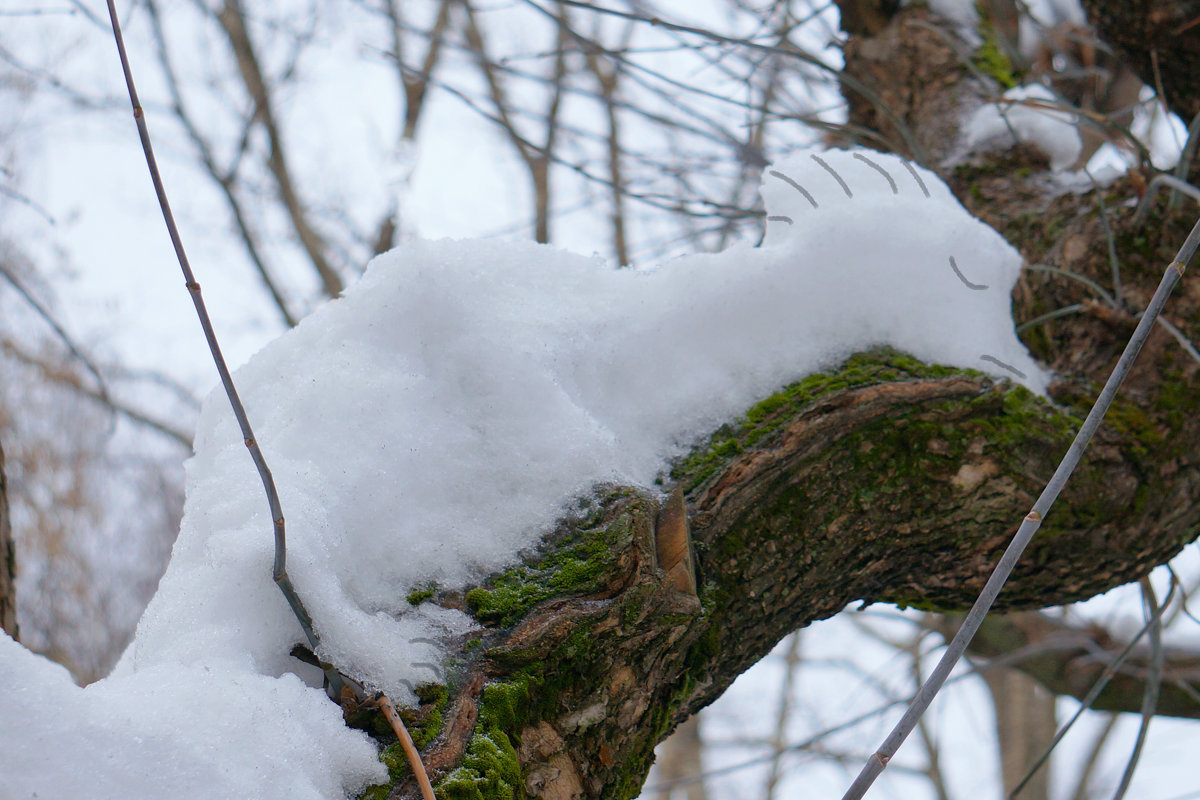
441 415
1053 132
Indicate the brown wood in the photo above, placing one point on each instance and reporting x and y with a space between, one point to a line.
8 561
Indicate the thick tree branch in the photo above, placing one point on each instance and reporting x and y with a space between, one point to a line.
1068 659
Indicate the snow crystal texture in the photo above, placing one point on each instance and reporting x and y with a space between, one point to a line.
437 419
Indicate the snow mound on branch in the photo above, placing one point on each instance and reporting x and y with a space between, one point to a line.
1027 115
436 419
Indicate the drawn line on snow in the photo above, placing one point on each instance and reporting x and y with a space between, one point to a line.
837 177
788 220
434 668
424 641
777 174
1008 367
916 177
880 170
963 278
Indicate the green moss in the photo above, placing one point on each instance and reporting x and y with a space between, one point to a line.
379 791
490 769
421 594
433 697
990 58
576 565
881 365
991 61
422 727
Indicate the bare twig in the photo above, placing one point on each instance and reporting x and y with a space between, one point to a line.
279 569
44 313
1094 692
233 21
71 380
1093 759
225 179
406 744
1033 520
1152 190
1153 683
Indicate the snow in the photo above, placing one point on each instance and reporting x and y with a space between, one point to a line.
436 419
1055 133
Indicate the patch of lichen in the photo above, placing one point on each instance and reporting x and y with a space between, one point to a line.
574 562
880 365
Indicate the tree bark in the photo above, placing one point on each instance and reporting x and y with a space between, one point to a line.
8 561
886 481
1160 39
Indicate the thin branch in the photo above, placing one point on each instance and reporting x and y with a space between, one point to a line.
223 178
233 21
44 313
847 81
279 568
1089 699
1153 683
406 744
1093 759
70 380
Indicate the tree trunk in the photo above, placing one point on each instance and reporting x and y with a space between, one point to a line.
1025 728
8 561
1160 40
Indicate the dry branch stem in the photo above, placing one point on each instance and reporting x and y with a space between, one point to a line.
279 568
406 743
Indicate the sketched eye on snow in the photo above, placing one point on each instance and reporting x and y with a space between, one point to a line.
872 207
963 278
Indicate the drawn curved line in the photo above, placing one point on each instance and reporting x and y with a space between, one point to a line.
880 170
916 177
777 174
434 668
963 278
1000 363
837 177
781 218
